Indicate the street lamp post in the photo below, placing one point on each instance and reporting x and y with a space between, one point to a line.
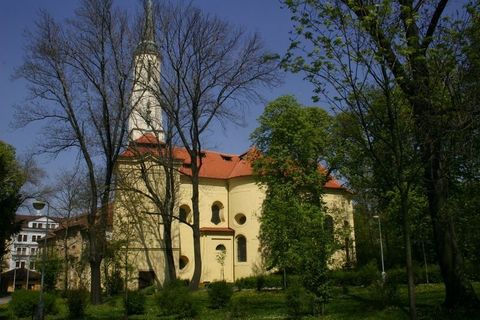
381 246
39 205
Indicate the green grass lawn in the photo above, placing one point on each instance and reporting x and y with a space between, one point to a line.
356 303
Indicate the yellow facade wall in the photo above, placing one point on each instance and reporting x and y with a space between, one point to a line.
236 197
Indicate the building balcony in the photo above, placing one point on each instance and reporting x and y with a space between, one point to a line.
18 256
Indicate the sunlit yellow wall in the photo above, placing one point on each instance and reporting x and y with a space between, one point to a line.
236 196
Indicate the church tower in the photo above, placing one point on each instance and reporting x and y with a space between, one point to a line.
146 114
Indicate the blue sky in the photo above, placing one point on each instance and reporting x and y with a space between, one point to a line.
266 17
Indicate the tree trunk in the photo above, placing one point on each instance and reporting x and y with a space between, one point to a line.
408 254
458 289
95 283
197 272
171 273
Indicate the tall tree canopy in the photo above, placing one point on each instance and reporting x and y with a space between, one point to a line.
291 143
350 45
11 180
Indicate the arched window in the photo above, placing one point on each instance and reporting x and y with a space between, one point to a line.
328 227
216 214
221 247
241 249
184 214
183 262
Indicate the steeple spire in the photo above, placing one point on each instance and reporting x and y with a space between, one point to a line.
147 44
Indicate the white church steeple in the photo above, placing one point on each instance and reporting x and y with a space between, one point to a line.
146 115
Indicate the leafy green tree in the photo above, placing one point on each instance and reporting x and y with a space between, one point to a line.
292 142
378 140
466 163
350 45
52 266
11 180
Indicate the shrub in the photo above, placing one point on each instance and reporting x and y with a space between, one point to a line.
175 299
299 301
219 294
76 302
363 276
367 274
149 291
260 282
266 281
384 293
246 283
114 282
24 303
134 302
434 275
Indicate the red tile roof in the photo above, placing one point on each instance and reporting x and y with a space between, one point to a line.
215 165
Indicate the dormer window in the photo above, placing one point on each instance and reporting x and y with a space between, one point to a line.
226 158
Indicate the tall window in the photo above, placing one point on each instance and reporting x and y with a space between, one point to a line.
328 227
149 70
216 214
184 214
241 249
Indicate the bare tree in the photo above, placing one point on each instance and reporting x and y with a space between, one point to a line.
70 199
79 74
154 179
209 71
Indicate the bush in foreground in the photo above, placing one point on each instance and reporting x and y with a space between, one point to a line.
134 302
76 302
299 302
219 294
175 300
384 293
24 303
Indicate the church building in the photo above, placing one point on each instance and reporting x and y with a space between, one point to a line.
230 199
